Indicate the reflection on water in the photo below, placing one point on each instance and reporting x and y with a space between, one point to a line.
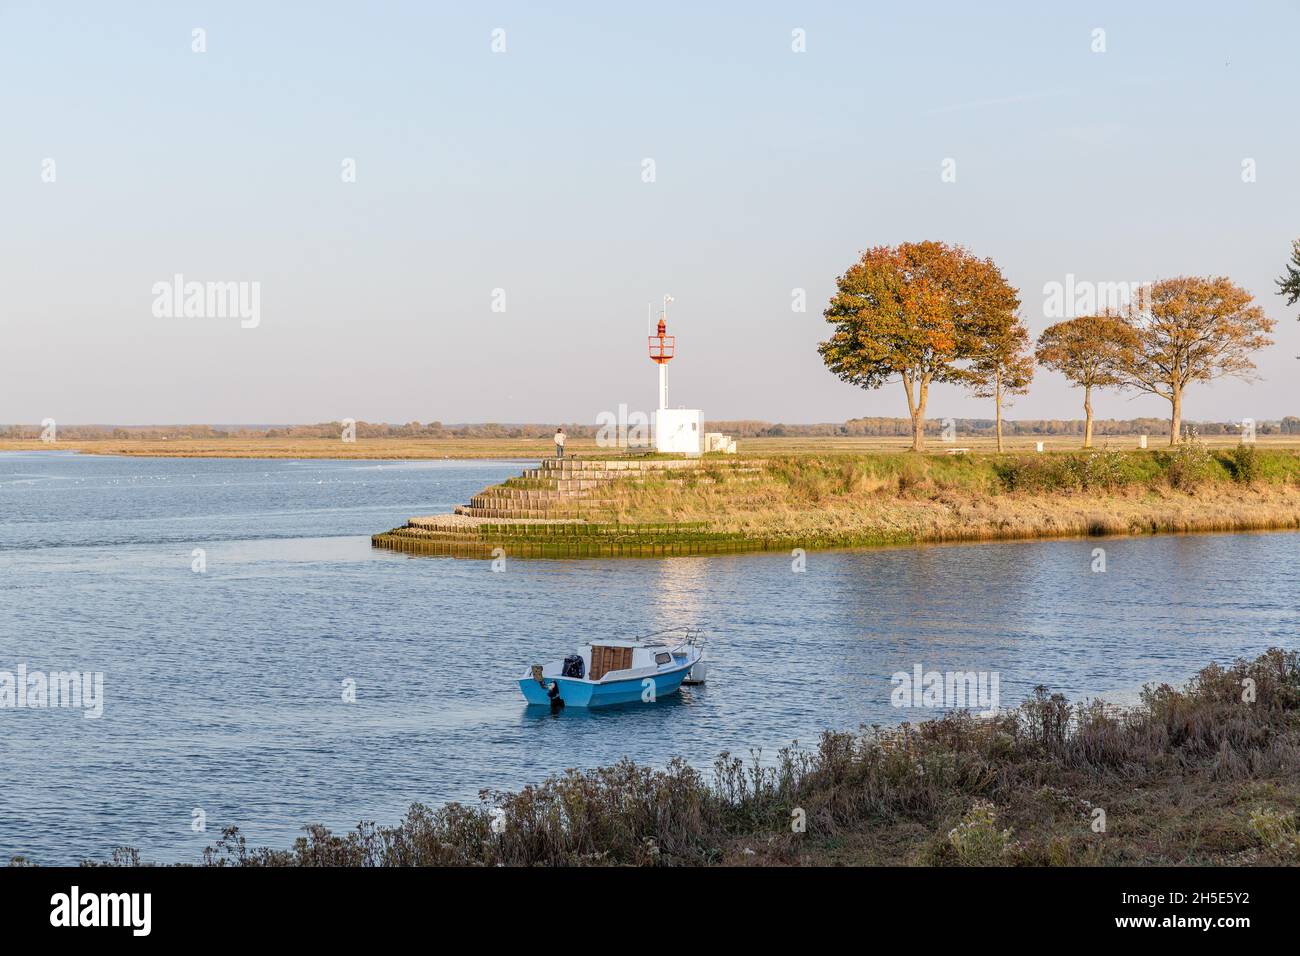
224 689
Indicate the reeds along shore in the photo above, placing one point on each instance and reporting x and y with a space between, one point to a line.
1205 775
828 501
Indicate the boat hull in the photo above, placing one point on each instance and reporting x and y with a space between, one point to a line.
581 693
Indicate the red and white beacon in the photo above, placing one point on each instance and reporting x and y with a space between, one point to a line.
675 429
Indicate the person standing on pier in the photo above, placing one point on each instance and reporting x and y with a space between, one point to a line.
559 442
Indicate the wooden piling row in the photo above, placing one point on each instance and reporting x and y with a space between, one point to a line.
576 546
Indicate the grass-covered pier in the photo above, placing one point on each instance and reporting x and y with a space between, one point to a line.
664 507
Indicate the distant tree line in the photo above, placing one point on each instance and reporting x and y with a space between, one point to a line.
902 427
747 428
318 430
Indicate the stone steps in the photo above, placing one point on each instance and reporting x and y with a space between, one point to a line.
570 484
530 501
571 487
542 495
618 465
516 494
474 512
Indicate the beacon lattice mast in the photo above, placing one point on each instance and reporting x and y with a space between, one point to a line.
676 430
662 348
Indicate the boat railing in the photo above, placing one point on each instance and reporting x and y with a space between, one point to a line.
679 636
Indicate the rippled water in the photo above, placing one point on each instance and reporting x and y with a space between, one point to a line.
223 690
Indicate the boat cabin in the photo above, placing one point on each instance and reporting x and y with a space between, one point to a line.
617 659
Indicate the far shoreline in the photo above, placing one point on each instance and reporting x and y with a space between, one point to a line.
532 449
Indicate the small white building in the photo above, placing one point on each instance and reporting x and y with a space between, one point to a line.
679 430
716 441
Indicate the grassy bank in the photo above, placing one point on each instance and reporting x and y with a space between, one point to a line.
1205 775
851 500
902 498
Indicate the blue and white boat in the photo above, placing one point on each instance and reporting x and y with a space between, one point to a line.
642 670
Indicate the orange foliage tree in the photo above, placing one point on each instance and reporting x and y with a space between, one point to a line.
1192 329
912 313
1089 351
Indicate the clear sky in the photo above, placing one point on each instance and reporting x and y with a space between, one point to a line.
524 171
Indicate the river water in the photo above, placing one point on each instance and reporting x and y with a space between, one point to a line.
224 688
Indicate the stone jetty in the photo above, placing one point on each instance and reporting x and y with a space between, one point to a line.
564 508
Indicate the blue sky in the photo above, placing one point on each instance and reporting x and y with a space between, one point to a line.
522 171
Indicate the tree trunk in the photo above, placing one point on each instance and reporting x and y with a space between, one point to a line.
911 405
918 425
1176 422
997 401
1087 416
916 409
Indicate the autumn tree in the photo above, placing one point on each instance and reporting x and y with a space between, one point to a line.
1289 284
998 344
1089 351
1192 329
907 314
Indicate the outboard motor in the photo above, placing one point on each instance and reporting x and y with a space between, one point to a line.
553 692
